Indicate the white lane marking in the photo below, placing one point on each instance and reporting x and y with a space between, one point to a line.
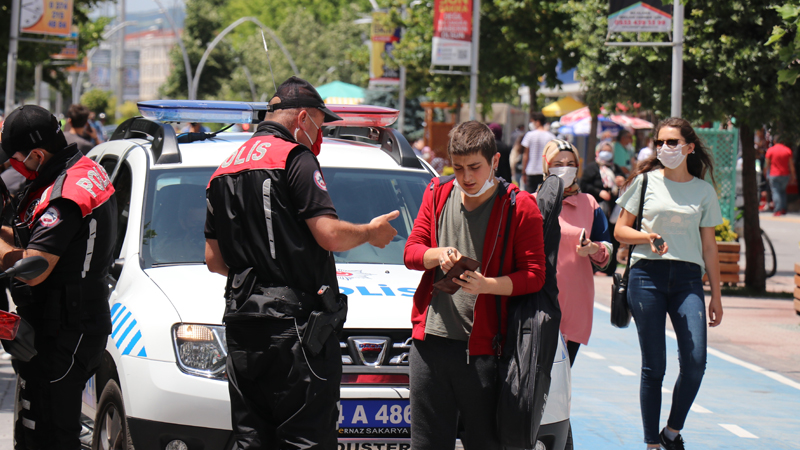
758 369
602 307
621 370
738 431
665 390
593 355
699 409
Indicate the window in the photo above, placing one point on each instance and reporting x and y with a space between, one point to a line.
122 191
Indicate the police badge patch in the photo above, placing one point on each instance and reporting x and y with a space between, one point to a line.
51 217
320 181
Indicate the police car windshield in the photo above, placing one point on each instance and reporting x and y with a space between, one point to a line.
176 206
359 195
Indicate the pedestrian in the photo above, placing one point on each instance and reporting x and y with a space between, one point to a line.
453 355
584 246
623 151
532 147
673 249
68 215
779 167
602 180
78 121
515 160
271 229
504 166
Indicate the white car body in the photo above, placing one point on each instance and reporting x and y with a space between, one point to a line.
163 403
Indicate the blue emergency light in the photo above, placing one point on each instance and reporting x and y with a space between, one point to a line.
202 111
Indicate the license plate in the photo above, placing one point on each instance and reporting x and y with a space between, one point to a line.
375 418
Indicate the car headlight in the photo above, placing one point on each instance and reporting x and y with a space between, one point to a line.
200 350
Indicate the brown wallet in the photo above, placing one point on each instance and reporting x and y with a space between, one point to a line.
446 284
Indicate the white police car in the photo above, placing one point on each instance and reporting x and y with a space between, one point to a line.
162 382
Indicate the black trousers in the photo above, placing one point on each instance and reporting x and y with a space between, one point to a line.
50 387
444 388
281 396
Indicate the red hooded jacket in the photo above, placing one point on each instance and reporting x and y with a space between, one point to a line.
524 261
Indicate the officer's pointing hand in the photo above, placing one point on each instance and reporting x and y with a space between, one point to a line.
381 233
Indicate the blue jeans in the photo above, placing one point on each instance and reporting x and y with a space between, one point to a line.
778 185
655 289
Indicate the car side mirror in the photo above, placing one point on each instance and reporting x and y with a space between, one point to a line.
116 268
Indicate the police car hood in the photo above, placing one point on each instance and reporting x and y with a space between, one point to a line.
379 295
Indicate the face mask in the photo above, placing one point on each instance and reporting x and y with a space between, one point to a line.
486 186
566 173
605 156
316 147
20 167
671 157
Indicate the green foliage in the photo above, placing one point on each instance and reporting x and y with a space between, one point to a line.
724 232
128 110
30 54
520 42
786 40
96 100
204 20
414 116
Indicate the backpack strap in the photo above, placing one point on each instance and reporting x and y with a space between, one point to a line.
499 336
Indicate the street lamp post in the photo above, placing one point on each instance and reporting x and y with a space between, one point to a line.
196 80
13 47
120 91
473 75
186 64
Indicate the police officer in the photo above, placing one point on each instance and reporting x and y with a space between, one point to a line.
66 214
271 228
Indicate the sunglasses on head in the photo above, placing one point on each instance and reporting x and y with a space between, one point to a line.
671 143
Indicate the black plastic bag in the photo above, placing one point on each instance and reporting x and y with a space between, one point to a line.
532 339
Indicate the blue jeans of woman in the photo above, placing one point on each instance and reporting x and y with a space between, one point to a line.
778 185
657 289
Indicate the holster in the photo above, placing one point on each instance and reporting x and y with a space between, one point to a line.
322 323
248 298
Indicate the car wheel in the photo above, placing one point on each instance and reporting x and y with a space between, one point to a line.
111 427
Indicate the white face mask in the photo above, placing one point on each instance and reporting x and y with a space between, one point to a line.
486 186
566 173
671 157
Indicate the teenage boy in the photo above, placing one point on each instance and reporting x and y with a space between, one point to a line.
453 359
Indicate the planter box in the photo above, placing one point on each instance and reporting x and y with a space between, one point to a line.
797 288
728 261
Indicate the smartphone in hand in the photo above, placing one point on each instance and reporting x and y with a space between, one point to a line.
583 237
658 242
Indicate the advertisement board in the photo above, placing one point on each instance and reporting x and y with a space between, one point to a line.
639 16
383 42
51 17
452 33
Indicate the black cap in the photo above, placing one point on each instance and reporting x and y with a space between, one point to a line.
29 127
299 93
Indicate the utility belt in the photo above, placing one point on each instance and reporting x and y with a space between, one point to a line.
318 314
77 306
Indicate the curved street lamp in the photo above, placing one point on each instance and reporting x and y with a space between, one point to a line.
196 80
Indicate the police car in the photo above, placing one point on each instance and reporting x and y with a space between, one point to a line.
162 382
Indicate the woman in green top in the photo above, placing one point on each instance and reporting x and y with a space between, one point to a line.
666 277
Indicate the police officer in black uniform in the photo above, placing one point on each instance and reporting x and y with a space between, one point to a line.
271 228
66 214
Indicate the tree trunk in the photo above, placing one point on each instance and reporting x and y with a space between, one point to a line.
754 275
533 88
592 142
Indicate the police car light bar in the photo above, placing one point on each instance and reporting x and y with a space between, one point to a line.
202 111
363 116
253 112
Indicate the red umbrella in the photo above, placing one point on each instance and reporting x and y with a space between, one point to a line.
631 122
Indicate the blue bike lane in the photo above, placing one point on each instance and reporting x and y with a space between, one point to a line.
740 405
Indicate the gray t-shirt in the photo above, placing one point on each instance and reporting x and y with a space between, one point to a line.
676 211
83 145
450 316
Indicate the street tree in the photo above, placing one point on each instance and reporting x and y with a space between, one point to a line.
521 42
31 54
786 40
204 20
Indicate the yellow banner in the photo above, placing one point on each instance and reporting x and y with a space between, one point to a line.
53 17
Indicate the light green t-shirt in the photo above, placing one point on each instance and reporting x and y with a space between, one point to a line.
622 155
676 211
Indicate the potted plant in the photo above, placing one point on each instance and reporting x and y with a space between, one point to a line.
728 250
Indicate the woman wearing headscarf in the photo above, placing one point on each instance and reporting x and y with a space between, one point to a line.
580 216
602 180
